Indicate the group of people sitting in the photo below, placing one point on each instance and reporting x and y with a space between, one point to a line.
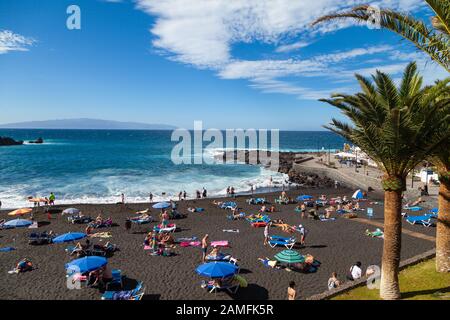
159 243
284 199
99 222
88 249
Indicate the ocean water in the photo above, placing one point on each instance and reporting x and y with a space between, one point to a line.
96 166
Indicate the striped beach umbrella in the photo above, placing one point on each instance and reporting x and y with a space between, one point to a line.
20 212
289 256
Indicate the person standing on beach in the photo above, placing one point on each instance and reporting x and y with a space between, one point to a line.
292 293
228 191
122 197
232 191
266 234
204 192
180 195
204 247
51 199
150 196
184 195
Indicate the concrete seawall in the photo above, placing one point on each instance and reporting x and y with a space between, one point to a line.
357 180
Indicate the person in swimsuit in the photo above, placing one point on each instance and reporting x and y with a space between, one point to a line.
292 293
204 247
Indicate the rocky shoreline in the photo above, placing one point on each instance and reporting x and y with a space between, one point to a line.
286 162
7 141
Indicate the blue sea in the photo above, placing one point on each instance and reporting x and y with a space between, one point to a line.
96 166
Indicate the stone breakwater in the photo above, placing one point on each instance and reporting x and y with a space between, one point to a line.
286 165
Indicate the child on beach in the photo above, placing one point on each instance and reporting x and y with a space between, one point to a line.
292 293
333 282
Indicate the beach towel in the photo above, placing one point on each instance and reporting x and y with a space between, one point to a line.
7 249
190 244
221 243
187 239
241 280
34 225
101 235
231 230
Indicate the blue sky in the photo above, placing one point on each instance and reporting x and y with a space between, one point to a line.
232 64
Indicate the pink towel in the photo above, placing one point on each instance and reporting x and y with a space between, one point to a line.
222 243
190 244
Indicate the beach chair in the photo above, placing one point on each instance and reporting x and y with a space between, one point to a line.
116 281
135 294
226 286
281 241
423 220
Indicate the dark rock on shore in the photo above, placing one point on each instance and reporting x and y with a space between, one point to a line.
310 180
38 140
253 157
7 141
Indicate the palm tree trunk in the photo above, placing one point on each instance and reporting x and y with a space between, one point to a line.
443 229
389 287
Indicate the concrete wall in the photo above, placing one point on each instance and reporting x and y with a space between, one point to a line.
357 181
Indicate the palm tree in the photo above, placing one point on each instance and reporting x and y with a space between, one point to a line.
441 159
434 41
397 128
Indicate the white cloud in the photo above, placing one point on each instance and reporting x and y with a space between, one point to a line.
10 41
292 46
202 33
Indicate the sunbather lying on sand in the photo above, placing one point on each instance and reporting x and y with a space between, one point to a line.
23 265
415 203
269 263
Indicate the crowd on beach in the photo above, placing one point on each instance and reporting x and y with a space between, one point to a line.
160 240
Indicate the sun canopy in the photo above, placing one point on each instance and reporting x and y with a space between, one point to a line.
20 212
86 264
18 223
68 237
289 256
217 269
161 205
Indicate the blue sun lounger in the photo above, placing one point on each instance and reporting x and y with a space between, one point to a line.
134 294
415 208
228 205
281 241
423 220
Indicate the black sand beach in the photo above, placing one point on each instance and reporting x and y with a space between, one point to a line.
336 244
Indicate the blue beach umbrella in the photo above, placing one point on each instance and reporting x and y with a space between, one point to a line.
304 197
86 264
161 205
217 269
68 237
18 223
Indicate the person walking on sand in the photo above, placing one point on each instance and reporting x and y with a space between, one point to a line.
266 234
184 195
292 293
180 196
204 247
205 193
51 199
122 198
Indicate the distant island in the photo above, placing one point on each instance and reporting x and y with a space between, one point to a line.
86 123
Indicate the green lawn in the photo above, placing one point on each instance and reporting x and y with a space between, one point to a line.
419 282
